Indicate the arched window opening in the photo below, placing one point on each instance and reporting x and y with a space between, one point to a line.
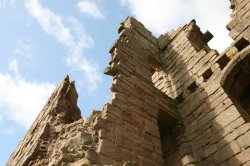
237 86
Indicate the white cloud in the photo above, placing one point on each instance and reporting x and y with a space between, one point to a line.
91 8
1 119
214 18
158 15
10 131
13 66
72 36
22 100
7 3
163 15
79 62
50 22
23 48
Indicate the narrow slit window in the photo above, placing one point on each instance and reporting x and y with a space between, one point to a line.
241 44
192 88
223 61
207 74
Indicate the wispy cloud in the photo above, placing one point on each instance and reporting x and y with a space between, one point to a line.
50 22
13 66
1 119
21 100
7 3
79 62
163 15
91 8
23 48
72 36
159 15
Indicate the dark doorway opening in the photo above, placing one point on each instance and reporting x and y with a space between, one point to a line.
237 86
169 143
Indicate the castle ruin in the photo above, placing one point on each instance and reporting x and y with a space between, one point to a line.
175 102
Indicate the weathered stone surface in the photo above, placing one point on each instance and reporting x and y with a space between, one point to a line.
174 102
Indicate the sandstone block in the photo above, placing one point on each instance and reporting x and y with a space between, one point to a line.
228 151
109 149
244 140
82 162
187 159
227 116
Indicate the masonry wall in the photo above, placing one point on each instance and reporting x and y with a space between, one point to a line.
174 101
206 110
239 25
215 130
38 145
136 103
126 130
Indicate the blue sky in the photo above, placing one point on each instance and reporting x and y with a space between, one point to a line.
43 40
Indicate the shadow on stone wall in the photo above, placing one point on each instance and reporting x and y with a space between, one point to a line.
211 122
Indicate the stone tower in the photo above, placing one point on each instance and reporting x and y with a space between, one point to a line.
175 101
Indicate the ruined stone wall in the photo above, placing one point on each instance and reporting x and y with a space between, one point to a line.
239 25
174 101
215 131
40 141
125 131
236 78
208 114
136 104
